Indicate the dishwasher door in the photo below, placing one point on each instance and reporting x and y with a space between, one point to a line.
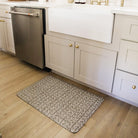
28 29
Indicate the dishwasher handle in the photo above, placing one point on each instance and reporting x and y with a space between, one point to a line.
27 14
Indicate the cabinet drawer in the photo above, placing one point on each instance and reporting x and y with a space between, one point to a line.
129 28
126 86
128 57
4 11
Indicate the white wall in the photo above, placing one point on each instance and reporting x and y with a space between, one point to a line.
3 0
128 3
133 3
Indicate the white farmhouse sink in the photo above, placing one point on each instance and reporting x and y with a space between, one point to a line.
90 22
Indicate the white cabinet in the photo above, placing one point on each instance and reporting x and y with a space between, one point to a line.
6 35
89 64
59 55
2 34
128 57
4 11
94 66
9 35
126 76
6 32
126 86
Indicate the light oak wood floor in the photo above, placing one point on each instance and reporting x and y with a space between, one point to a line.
114 119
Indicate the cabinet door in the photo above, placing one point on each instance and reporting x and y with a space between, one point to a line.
59 55
9 35
2 34
95 66
128 57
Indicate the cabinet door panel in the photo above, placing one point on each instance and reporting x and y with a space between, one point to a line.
2 34
126 86
9 34
128 27
95 66
128 57
59 55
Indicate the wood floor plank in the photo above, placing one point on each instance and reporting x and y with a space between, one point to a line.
3 107
114 119
129 128
109 121
21 125
12 113
33 132
49 130
10 100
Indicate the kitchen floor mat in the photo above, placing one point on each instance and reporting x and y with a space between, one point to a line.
66 104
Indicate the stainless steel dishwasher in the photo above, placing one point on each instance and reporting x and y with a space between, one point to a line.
29 29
